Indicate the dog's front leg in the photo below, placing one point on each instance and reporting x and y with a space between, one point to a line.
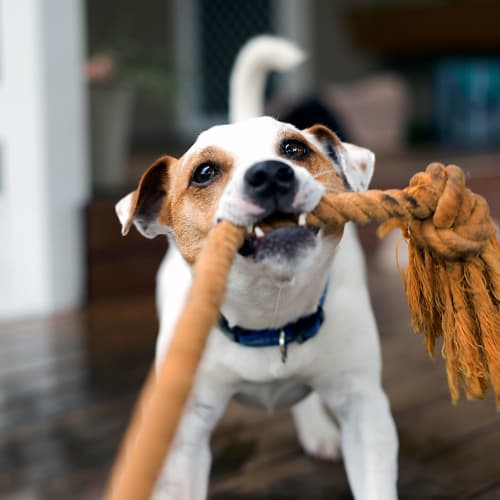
318 433
368 439
186 469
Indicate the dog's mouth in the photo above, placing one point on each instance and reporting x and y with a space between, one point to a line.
279 233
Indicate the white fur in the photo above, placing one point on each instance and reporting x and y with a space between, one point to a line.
359 164
255 60
123 210
342 363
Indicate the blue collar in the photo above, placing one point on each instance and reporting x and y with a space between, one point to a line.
299 331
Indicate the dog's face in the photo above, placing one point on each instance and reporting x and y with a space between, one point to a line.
260 173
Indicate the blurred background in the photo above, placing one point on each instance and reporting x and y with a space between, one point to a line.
91 92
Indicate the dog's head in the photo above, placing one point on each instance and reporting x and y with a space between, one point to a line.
260 173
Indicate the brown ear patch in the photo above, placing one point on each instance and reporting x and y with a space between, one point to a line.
330 142
324 133
148 199
331 151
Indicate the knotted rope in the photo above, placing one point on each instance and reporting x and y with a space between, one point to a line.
453 278
452 284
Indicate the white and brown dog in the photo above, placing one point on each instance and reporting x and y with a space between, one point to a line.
297 328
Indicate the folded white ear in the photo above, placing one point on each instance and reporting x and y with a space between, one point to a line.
358 167
124 211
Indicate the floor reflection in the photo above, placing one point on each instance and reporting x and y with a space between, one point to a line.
59 424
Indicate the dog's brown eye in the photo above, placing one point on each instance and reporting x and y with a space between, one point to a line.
294 149
204 174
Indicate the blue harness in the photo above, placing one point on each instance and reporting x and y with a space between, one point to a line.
299 331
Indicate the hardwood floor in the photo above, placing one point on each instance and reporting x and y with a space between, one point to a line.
64 408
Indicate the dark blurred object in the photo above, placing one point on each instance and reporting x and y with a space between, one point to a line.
313 110
140 43
220 41
118 267
467 102
435 27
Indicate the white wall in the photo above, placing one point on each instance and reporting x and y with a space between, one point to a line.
44 168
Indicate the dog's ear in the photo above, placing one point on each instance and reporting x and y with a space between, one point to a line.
353 163
144 206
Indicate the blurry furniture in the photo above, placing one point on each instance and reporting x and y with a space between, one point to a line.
110 124
449 51
467 101
431 28
121 278
116 266
374 110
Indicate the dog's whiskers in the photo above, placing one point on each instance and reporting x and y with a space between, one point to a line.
277 305
323 172
332 188
330 184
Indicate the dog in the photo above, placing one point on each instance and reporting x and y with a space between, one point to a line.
297 328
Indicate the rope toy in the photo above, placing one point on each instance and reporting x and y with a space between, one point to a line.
452 285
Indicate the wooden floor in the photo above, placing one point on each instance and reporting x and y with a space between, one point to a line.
64 408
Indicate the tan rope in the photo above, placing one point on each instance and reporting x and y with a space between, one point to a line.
452 284
164 396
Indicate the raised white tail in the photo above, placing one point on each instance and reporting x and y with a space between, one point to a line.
255 60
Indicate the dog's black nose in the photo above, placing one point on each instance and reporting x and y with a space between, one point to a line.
272 184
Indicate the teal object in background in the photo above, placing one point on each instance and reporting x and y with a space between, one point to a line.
467 102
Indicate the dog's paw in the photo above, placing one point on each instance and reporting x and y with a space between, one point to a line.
321 439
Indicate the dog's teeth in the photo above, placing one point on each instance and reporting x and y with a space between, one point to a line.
302 219
250 228
258 232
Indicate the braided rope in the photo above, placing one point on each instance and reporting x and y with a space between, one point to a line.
445 216
452 285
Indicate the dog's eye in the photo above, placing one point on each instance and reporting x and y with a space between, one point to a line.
294 149
205 174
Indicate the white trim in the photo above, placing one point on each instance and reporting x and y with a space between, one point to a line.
44 149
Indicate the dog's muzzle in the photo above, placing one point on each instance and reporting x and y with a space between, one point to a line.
272 185
280 230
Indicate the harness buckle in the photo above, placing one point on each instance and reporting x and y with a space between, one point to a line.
283 346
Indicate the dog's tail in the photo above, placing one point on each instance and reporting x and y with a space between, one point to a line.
255 60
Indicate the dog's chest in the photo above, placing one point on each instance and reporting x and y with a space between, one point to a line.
276 394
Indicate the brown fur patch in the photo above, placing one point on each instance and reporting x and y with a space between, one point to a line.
316 162
192 209
150 191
